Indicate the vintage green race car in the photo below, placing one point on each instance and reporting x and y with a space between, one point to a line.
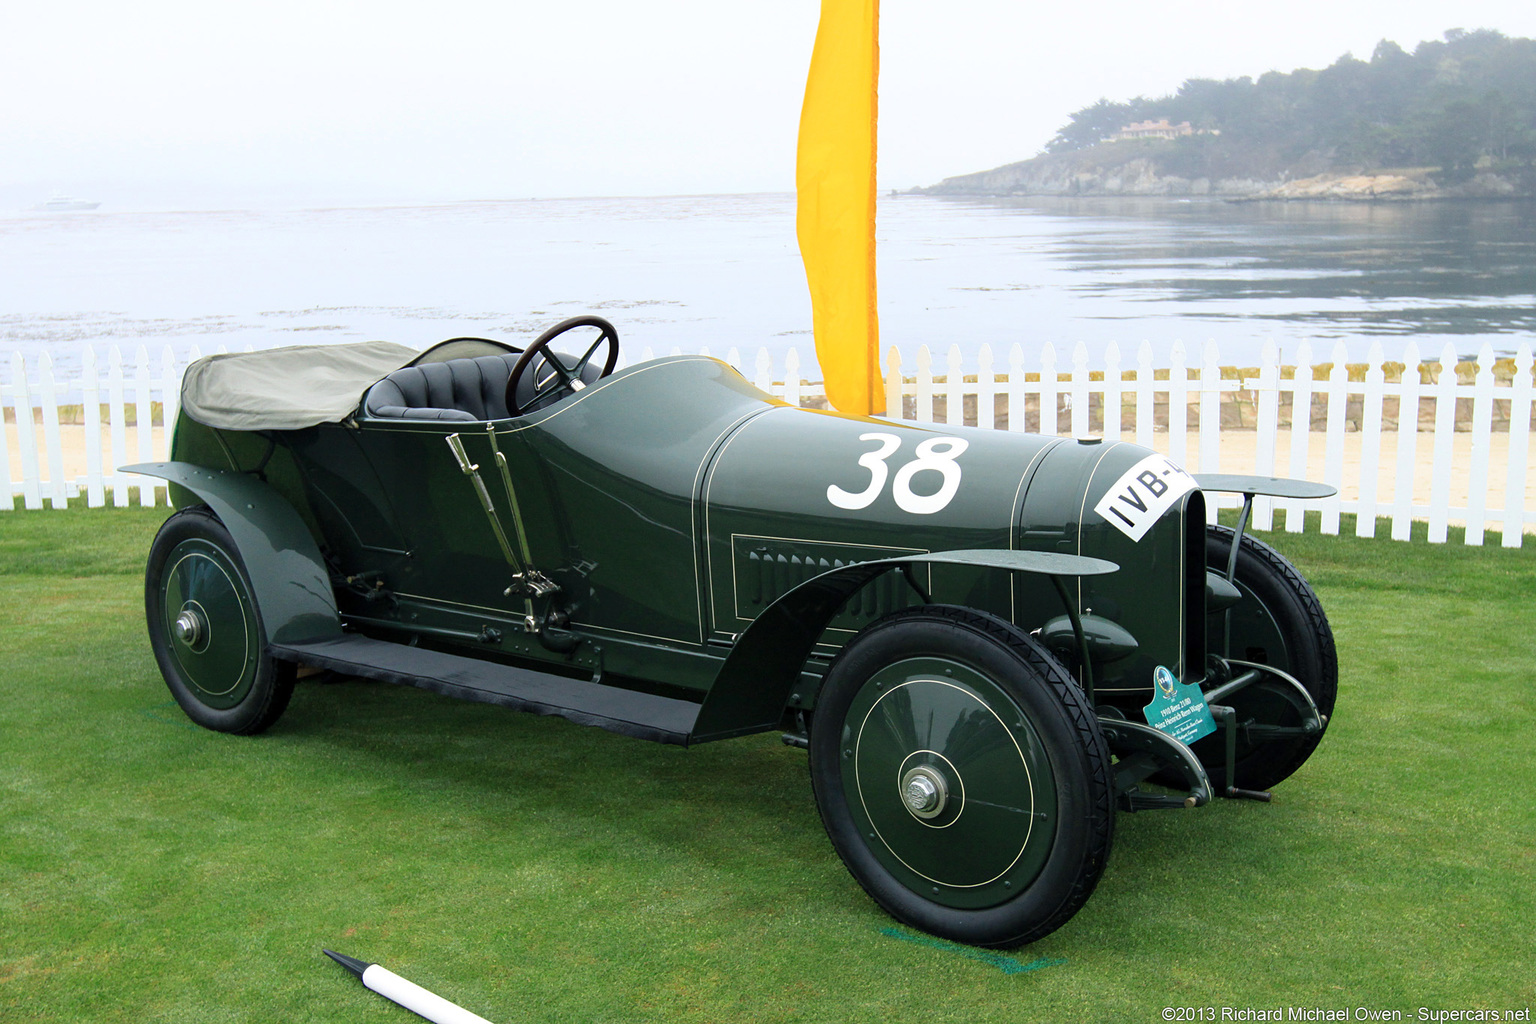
988 641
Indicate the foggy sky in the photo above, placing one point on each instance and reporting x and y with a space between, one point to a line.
384 100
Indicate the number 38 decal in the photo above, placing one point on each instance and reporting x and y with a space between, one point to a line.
935 455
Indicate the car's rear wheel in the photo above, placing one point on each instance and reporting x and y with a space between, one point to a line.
206 631
1279 621
962 777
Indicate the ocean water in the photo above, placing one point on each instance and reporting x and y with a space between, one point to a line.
723 272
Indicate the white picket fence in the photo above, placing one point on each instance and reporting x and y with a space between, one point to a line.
30 400
1128 401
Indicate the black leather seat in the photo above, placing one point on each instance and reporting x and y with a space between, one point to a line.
461 389
456 389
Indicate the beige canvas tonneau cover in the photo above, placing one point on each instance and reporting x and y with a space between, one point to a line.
286 388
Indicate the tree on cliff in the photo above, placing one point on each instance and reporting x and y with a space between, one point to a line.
1459 103
1092 125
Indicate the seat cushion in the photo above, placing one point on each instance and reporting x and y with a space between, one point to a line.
457 389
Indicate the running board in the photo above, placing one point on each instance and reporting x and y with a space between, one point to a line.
641 715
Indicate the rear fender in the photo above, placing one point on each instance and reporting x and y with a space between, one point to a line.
753 687
287 574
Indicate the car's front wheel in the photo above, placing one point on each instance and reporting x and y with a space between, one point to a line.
962 776
205 628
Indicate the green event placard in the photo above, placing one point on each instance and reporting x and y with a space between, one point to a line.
1178 709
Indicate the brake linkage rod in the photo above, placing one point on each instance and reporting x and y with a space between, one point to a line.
529 583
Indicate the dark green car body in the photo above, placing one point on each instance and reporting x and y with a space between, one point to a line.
673 502
973 618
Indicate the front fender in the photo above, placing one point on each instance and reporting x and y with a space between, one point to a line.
753 686
287 574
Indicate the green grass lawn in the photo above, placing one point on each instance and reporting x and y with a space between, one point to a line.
533 870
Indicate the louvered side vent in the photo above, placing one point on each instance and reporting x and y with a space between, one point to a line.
766 568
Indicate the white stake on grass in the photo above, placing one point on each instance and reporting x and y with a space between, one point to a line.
408 994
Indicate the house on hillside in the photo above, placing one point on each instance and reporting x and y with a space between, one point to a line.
1153 130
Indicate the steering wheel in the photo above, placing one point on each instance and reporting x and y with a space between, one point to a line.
554 378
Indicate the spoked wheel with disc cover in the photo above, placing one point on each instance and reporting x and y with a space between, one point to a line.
962 777
206 630
1278 622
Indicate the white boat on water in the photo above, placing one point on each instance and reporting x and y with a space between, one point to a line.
60 203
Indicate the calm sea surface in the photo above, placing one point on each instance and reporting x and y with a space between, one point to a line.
724 272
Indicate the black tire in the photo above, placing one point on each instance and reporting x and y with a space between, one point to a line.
1010 754
1278 622
216 662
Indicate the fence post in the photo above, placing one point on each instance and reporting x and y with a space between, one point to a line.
1210 411
1114 387
1370 441
1445 434
144 429
1050 420
792 377
1016 392
1210 419
118 414
764 372
90 389
53 445
1301 433
924 385
1519 445
1266 429
986 387
1482 429
170 402
954 389
26 434
1407 444
1146 396
1080 402
7 496
1333 439
1178 406
895 404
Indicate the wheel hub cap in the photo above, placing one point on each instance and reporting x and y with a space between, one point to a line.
190 628
925 792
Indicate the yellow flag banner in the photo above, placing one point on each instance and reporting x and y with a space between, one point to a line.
835 187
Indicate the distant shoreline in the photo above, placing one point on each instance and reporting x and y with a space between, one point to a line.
1218 197
1119 170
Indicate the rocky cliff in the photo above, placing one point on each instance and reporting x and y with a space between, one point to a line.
1138 169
